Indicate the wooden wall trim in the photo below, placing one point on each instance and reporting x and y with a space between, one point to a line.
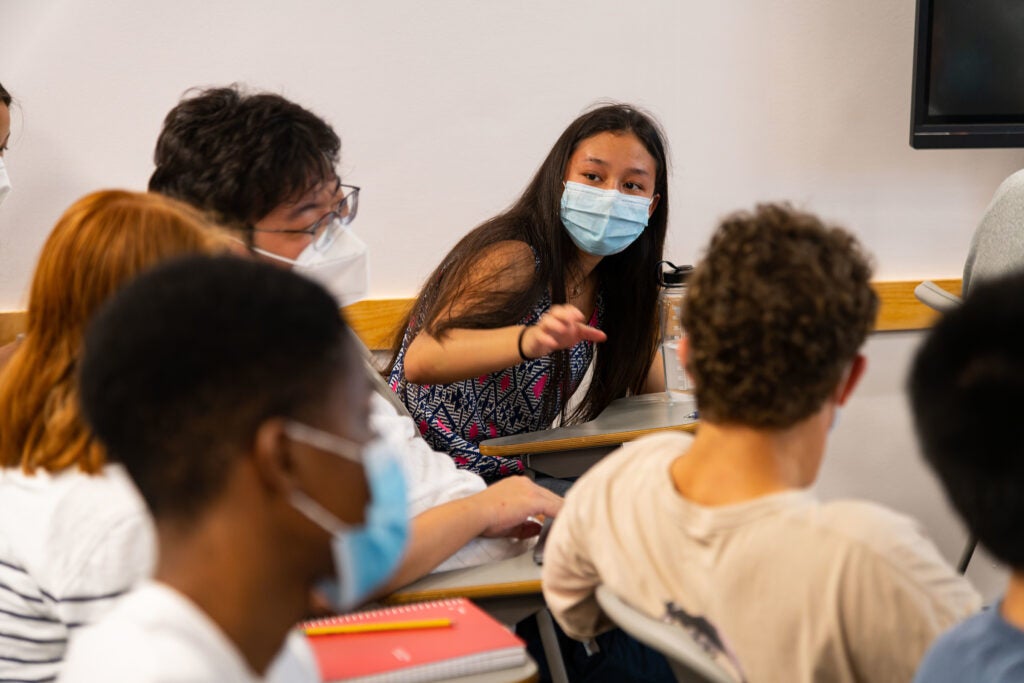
376 320
11 324
900 309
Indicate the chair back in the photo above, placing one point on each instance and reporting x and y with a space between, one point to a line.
690 662
935 297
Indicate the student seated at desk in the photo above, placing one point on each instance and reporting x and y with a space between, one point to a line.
966 390
250 442
505 328
265 168
74 534
720 528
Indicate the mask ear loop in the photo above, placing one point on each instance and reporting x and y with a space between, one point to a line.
332 443
247 243
302 501
271 255
339 592
316 513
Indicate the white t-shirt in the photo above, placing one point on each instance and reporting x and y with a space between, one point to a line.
433 479
800 591
70 545
155 635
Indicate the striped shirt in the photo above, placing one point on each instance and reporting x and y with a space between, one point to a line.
70 545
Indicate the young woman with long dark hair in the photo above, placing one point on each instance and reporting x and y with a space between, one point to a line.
505 328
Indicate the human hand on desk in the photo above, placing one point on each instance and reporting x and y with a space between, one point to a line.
509 502
562 327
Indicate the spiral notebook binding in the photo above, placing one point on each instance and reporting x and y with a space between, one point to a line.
357 617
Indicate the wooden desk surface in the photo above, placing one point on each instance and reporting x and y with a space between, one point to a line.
518 575
624 420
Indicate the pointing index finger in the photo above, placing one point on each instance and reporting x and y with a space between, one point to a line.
591 333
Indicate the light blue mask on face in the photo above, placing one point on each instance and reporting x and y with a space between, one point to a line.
602 222
365 556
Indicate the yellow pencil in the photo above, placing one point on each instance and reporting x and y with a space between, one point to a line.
369 628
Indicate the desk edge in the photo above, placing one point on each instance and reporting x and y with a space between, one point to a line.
493 590
571 443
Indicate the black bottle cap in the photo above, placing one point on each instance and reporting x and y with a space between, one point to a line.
673 276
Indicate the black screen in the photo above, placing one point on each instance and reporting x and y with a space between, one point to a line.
976 70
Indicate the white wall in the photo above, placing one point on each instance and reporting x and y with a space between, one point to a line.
873 454
446 108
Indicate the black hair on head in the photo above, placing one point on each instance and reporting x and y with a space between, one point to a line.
239 155
182 366
966 391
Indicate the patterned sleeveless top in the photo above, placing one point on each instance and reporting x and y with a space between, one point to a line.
456 417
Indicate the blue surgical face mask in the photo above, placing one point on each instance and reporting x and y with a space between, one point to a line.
365 556
602 222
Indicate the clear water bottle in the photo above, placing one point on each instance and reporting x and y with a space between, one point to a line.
673 280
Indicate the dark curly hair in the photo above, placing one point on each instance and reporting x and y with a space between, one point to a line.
775 312
239 155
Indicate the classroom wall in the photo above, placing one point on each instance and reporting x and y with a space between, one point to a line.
447 107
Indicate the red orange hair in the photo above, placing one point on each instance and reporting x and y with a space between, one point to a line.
102 241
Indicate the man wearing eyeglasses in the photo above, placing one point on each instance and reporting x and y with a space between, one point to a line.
280 232
264 167
312 236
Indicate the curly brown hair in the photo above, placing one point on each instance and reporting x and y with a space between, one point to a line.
775 312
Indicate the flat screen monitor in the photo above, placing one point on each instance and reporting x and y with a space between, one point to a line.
968 74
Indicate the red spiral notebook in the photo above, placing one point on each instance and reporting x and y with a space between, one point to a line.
474 643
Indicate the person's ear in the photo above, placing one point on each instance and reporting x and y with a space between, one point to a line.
851 379
654 205
272 456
